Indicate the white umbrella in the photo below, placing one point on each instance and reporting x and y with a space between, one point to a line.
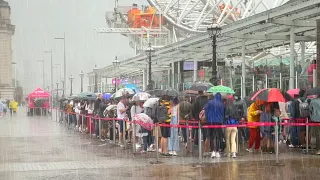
142 96
146 121
151 102
124 92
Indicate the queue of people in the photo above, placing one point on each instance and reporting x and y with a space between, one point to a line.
208 111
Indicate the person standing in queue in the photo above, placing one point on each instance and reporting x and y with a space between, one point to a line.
96 114
253 117
121 114
165 131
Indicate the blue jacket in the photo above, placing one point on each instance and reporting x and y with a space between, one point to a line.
215 110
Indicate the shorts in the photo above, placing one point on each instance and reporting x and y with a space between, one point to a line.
165 131
159 132
121 126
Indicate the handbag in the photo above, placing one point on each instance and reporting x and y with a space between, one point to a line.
202 117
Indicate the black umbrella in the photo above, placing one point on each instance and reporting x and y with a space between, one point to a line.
202 86
313 91
160 93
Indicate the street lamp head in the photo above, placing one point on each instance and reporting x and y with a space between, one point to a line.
95 68
214 30
71 78
81 74
13 63
57 83
116 62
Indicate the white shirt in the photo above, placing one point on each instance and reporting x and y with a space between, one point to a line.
121 106
135 110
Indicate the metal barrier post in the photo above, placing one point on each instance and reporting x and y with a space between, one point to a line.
124 134
41 111
82 124
90 126
56 115
134 137
307 133
68 123
100 129
200 144
114 131
189 146
78 120
157 142
277 143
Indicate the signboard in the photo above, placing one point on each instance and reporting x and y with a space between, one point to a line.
188 65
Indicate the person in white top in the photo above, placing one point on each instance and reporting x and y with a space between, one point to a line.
121 114
136 109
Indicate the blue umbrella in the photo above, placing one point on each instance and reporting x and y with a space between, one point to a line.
133 87
107 96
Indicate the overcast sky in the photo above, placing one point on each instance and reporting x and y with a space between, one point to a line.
39 21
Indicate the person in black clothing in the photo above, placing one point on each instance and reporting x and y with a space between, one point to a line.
96 111
197 107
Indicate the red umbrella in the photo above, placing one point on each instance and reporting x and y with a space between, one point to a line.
293 92
269 95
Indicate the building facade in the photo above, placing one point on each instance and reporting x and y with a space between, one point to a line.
6 33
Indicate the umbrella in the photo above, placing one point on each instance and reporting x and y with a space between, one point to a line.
142 96
146 121
167 92
293 92
73 97
313 91
221 89
87 95
107 96
269 95
124 92
150 102
201 86
133 87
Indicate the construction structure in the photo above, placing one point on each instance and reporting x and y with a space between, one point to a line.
252 33
7 30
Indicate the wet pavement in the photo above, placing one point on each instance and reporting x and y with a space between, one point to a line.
38 148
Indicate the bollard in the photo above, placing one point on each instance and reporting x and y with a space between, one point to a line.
307 138
200 144
124 134
134 137
114 131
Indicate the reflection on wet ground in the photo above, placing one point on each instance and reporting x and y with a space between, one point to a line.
35 148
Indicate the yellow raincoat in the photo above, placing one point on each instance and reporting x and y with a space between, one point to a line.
13 105
253 114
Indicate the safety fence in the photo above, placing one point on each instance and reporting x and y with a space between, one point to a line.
188 124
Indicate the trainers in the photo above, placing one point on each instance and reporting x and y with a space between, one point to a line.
249 150
318 153
138 145
159 150
218 155
174 153
291 146
234 155
205 154
213 154
170 152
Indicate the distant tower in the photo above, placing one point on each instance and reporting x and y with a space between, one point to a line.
6 32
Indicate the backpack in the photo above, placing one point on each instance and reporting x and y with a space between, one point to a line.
161 113
304 110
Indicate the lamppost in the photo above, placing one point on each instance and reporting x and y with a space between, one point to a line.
71 79
213 32
59 74
57 83
95 79
64 61
51 74
116 64
15 74
43 81
81 80
149 52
